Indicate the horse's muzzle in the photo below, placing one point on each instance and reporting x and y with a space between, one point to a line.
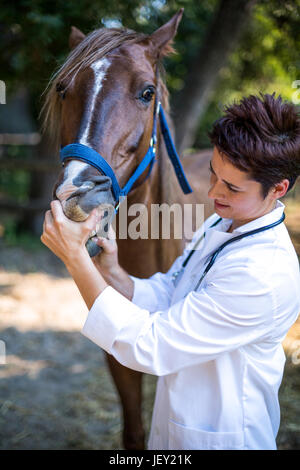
90 195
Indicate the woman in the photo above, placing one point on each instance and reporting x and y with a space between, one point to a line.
215 344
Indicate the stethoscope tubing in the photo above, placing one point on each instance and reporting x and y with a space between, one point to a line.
218 251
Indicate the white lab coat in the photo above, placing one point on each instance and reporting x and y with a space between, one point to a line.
217 351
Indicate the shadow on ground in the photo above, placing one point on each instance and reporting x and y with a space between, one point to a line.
56 393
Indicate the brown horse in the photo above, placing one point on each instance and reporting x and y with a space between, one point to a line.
103 97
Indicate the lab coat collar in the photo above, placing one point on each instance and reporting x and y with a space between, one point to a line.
266 219
216 236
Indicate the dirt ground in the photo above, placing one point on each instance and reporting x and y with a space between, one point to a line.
55 389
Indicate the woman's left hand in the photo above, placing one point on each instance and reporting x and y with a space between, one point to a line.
64 237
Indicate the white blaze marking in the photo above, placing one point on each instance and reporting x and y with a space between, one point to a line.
75 167
100 67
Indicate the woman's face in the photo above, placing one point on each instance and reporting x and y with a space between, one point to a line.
235 195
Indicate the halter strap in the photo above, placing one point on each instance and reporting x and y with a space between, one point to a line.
173 155
92 157
88 155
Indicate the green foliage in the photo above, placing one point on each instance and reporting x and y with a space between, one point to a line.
35 41
10 235
266 60
15 183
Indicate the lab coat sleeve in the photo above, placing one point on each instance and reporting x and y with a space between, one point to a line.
155 293
233 310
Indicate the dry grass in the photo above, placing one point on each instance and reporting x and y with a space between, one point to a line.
56 391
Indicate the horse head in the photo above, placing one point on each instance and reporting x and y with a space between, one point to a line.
103 97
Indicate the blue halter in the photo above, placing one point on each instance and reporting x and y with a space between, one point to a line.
90 156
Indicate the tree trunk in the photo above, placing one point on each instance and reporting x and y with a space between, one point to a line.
222 36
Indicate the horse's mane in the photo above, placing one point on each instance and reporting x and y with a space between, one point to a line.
92 48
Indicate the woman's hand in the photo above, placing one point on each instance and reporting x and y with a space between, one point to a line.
107 264
107 260
64 237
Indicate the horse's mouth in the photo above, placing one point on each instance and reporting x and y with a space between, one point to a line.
93 234
102 226
104 219
78 203
101 230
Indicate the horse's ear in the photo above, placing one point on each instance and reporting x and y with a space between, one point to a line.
76 36
162 38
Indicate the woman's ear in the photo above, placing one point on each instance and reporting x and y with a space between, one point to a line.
161 39
76 36
281 188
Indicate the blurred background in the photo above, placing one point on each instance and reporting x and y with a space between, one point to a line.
55 391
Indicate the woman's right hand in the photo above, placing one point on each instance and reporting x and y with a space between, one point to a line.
107 260
108 265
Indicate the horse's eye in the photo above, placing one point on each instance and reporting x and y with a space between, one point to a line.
147 94
60 89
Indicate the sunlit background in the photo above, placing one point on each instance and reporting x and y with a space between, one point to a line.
55 390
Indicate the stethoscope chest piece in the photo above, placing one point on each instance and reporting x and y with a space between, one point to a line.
177 275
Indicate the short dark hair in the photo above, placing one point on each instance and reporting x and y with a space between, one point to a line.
261 136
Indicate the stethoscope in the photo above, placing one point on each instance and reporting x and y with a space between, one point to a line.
178 274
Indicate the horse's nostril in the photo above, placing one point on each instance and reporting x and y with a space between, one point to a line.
83 189
102 180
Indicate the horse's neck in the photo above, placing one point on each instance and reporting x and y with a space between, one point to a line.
144 257
162 185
